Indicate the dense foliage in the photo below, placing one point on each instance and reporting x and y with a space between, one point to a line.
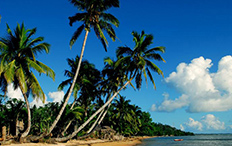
127 119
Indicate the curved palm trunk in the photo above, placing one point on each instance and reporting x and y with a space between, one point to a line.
66 128
99 119
72 86
25 133
98 111
94 124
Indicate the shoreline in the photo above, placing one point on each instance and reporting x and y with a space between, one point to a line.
95 142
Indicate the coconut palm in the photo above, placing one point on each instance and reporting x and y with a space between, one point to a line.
138 60
113 78
87 80
15 109
18 62
133 62
123 114
94 16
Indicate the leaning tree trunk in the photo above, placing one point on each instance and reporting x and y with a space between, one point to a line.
99 119
69 123
25 133
98 111
72 86
96 121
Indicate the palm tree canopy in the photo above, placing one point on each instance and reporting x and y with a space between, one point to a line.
18 52
88 77
93 16
138 61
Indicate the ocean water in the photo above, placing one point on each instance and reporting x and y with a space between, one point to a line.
197 140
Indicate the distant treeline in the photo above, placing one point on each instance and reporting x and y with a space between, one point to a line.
125 118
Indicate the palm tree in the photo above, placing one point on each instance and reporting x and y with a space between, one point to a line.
18 62
113 78
94 16
87 80
133 62
123 114
138 60
15 108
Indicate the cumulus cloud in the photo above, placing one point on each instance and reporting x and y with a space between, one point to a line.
208 122
201 90
170 105
56 96
212 122
38 103
12 93
192 124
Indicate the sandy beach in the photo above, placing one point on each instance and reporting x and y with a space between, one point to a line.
97 142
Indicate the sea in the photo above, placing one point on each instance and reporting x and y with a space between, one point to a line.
197 140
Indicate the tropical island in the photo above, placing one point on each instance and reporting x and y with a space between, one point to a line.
98 110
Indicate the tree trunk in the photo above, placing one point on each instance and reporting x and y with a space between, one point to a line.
94 124
69 123
104 114
4 133
98 111
72 86
28 117
99 119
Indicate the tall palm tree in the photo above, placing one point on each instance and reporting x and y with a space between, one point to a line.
94 16
87 80
138 61
18 62
133 62
113 78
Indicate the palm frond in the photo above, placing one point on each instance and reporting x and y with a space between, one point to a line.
64 83
40 48
36 88
151 78
154 67
111 3
146 42
107 17
138 80
108 28
154 56
48 71
80 4
22 79
9 70
77 17
76 35
123 51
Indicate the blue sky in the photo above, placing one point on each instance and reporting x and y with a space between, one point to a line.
195 93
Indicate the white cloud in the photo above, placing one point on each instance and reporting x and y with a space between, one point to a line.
11 93
212 122
170 105
223 77
56 96
201 90
37 102
208 122
192 124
